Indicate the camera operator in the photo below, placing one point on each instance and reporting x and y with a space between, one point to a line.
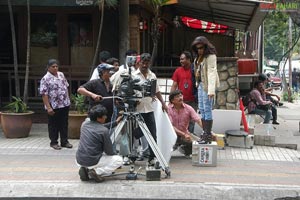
145 104
98 88
94 142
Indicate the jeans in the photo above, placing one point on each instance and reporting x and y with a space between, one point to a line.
267 114
205 104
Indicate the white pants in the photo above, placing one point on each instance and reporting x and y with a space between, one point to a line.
107 164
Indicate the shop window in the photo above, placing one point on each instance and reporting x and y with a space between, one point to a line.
81 39
43 30
80 30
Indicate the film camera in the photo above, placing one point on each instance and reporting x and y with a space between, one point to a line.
133 89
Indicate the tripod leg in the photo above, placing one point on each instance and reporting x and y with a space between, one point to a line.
116 134
153 145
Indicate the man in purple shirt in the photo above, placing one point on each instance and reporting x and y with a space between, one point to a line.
260 105
180 115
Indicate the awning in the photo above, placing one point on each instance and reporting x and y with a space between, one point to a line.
239 14
205 26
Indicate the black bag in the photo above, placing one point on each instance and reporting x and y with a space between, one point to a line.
247 99
263 107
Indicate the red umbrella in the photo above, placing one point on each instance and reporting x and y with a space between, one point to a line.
208 27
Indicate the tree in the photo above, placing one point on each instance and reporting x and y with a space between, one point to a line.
276 34
14 43
25 94
101 5
123 27
156 22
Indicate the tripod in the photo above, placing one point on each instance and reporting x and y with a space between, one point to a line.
128 119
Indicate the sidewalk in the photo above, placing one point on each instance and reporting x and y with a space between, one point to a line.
30 168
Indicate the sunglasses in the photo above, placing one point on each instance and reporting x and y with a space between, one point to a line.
202 47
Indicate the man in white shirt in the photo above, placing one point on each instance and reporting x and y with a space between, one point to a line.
145 104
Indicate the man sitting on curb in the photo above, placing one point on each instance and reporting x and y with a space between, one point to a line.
180 115
94 141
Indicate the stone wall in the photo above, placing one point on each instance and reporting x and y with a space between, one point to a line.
227 93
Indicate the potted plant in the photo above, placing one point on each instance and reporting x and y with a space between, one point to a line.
76 116
16 121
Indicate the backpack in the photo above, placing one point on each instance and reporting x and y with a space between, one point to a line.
247 99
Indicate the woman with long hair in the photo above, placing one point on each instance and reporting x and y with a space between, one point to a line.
207 80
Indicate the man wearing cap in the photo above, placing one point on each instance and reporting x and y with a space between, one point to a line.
98 88
103 57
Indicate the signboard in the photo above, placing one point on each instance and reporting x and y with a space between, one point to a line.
205 155
84 2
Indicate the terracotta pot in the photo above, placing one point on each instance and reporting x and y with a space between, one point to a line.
74 124
16 125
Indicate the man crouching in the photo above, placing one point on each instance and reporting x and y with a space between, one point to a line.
95 152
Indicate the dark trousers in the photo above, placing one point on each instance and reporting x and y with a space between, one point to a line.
58 124
192 123
274 113
150 122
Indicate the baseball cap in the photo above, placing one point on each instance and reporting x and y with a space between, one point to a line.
262 77
104 66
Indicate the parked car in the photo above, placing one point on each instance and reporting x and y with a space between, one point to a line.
275 80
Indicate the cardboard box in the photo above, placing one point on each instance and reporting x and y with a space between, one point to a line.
204 155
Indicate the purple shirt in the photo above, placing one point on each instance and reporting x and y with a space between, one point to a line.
182 117
259 99
56 88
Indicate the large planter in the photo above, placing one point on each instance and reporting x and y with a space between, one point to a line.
16 125
75 121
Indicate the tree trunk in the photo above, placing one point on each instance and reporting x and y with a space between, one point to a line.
25 95
14 43
290 60
155 32
96 55
124 33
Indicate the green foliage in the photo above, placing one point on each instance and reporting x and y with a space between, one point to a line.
294 96
276 35
79 104
17 106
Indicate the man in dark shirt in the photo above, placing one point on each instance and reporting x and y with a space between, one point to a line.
295 80
94 141
98 88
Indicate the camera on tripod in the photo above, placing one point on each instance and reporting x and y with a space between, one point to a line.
131 88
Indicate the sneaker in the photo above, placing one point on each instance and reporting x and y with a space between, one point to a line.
92 173
126 161
140 158
55 146
83 174
67 145
151 162
175 147
275 122
181 150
